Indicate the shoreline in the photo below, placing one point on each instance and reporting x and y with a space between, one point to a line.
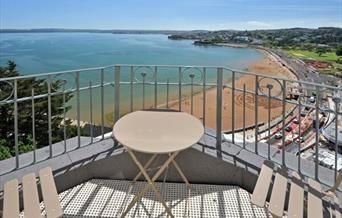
269 66
233 45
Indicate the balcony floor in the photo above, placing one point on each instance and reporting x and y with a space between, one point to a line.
108 198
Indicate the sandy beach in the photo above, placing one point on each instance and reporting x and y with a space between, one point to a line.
268 66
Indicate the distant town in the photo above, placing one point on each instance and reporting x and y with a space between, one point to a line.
320 49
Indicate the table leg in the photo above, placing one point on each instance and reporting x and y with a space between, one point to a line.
181 173
145 167
150 182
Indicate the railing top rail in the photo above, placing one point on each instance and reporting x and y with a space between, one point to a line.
54 73
170 66
285 79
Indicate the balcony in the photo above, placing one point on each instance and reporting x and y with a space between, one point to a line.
294 123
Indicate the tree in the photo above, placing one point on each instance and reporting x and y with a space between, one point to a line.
339 50
321 51
24 89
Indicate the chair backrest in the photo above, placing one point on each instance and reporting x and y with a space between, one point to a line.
296 193
337 182
262 186
30 196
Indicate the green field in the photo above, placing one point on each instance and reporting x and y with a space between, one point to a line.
328 56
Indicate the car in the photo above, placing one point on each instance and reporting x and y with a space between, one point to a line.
303 114
288 129
300 139
296 121
278 136
307 108
312 99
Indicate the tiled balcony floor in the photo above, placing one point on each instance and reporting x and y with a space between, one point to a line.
108 198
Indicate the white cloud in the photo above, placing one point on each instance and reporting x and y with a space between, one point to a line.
270 24
258 24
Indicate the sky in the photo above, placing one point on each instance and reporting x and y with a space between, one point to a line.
170 14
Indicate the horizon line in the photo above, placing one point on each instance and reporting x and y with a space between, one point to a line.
176 30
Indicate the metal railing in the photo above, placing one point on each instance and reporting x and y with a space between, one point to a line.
275 111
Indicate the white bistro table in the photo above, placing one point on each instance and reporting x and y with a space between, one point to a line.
157 132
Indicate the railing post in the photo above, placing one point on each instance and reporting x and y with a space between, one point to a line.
337 101
49 116
117 95
219 111
64 121
233 107
91 112
102 103
180 88
300 130
33 126
256 105
204 95
131 88
16 140
244 116
283 122
155 87
78 109
317 131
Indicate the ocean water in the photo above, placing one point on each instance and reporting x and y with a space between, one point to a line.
48 52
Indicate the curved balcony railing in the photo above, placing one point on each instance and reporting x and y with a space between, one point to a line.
285 114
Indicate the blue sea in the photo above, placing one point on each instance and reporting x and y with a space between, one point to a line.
36 53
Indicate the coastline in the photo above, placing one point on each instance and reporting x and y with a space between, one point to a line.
232 45
268 66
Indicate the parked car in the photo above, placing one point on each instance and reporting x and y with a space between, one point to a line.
278 136
312 99
303 114
288 129
296 121
300 139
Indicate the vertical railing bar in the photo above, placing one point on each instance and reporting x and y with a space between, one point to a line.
283 122
155 87
300 131
317 131
91 112
117 74
233 107
244 116
167 93
180 88
64 121
256 113
16 141
49 117
117 93
78 109
204 95
336 134
143 93
131 88
192 95
269 124
33 127
219 89
102 103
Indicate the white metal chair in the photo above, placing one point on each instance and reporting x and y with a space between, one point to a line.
30 196
276 205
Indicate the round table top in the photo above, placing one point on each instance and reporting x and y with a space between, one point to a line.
158 131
